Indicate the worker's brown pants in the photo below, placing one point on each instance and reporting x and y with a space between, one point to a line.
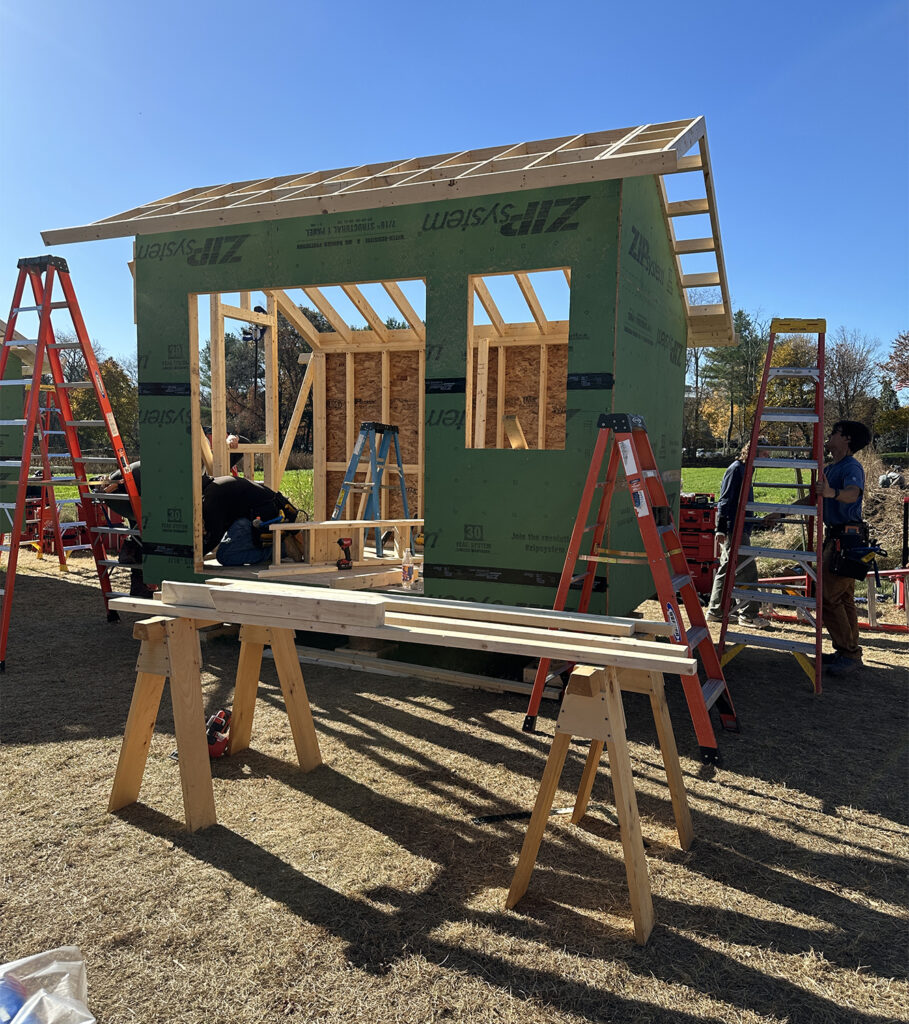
840 616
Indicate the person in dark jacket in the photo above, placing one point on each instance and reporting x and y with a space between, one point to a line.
235 514
726 510
131 548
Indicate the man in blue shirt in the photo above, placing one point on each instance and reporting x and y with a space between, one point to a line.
842 485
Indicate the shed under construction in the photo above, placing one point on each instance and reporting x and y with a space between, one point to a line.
532 286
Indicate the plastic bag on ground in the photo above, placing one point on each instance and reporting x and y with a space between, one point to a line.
46 988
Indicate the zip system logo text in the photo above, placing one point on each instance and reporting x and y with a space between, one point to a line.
538 217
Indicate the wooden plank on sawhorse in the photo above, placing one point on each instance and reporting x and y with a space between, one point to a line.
592 709
170 650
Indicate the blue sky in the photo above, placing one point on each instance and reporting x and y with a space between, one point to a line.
108 105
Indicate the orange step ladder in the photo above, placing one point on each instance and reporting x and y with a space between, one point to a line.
42 274
663 553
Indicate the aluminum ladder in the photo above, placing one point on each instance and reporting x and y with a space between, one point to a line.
806 384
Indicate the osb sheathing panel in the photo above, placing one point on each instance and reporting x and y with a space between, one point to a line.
404 388
522 392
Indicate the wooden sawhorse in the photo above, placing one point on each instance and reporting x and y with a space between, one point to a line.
592 709
170 650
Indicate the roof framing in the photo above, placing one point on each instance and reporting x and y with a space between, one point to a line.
658 149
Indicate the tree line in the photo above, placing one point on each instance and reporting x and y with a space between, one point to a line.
860 383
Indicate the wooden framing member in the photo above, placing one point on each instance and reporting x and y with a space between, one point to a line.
492 341
592 709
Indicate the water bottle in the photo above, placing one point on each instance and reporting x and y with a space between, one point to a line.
407 571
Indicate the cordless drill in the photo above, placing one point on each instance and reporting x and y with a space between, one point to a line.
344 562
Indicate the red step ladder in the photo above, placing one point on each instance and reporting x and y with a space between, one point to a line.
42 273
663 553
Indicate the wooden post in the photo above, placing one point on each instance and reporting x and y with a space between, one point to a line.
143 710
299 713
548 786
252 642
627 809
189 722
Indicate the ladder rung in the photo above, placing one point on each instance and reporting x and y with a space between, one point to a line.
786 554
85 423
794 371
682 580
776 643
793 486
768 597
712 690
789 510
789 417
696 636
786 463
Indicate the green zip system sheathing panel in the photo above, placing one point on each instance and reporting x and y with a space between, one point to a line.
497 521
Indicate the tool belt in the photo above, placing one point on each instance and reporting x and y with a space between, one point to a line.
853 552
280 510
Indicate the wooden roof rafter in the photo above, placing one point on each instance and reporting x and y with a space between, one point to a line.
658 148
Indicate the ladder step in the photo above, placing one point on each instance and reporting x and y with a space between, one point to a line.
794 371
776 643
768 597
713 689
786 463
789 510
789 417
682 580
85 423
786 554
696 636
792 486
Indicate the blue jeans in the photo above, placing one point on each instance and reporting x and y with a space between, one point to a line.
237 546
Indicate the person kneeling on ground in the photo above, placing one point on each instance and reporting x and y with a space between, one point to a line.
235 517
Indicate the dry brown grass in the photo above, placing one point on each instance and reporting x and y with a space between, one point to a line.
365 890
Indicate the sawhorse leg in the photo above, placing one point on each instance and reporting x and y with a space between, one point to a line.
252 643
170 649
636 680
592 708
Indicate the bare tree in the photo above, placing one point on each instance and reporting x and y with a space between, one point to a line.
851 376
